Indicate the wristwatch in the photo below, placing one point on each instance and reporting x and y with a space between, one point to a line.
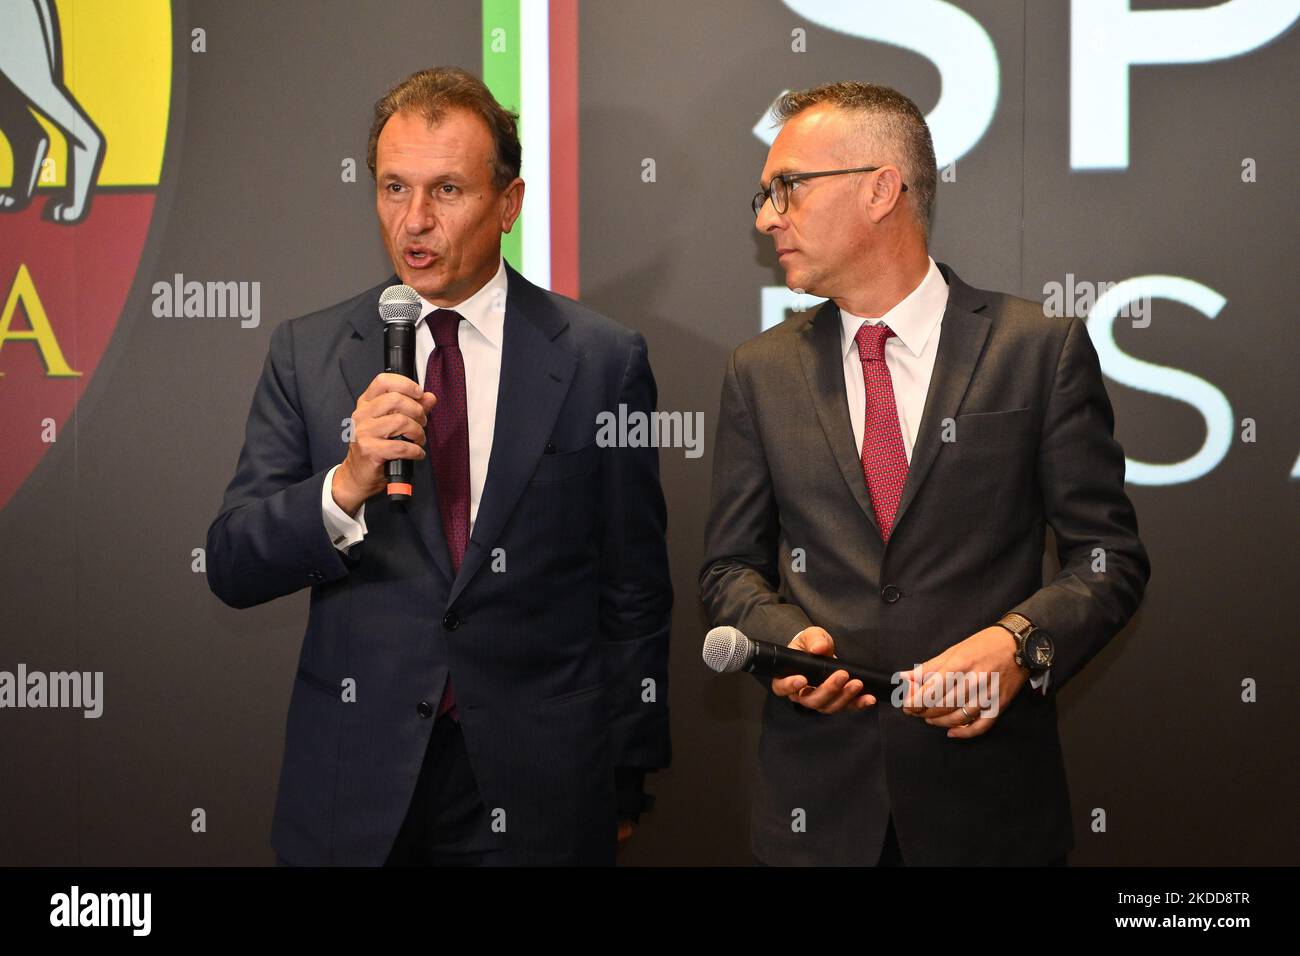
1034 647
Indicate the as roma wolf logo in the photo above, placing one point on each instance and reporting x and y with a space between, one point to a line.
32 26
85 98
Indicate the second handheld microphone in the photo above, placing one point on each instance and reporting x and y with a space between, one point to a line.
727 650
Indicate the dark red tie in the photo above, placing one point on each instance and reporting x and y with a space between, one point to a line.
448 446
884 459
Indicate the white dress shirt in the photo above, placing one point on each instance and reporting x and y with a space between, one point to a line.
910 352
909 355
480 338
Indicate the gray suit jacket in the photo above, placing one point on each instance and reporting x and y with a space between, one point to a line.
1034 447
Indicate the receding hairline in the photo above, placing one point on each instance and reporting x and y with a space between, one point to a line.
868 140
868 134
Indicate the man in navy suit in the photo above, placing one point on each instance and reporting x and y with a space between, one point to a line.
483 679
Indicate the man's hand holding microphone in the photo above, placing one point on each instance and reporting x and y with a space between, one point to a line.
393 407
838 692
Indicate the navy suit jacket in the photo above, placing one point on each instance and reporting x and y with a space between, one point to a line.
555 628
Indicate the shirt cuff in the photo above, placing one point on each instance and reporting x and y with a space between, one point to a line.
1039 683
344 530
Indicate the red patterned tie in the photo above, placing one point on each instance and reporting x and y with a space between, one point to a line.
884 459
448 446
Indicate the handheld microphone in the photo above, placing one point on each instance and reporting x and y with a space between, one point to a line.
726 651
399 307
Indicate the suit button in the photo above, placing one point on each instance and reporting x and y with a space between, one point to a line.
889 594
550 448
315 576
424 709
451 621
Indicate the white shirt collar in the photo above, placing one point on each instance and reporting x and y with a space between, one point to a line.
485 309
913 319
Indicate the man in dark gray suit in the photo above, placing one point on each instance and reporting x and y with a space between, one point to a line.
484 675
883 475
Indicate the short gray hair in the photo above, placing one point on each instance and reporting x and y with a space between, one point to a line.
898 120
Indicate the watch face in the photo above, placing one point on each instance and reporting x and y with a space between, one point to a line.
1038 649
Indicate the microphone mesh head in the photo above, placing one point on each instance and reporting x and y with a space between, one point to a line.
726 650
399 303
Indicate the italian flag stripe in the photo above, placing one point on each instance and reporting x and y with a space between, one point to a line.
530 63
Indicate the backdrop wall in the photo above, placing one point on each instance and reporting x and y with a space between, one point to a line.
230 163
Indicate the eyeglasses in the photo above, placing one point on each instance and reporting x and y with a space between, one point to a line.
778 190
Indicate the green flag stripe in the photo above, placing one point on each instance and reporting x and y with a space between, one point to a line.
501 41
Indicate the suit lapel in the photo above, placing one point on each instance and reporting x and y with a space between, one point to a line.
961 339
535 376
823 368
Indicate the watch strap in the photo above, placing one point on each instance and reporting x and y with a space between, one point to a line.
1017 624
